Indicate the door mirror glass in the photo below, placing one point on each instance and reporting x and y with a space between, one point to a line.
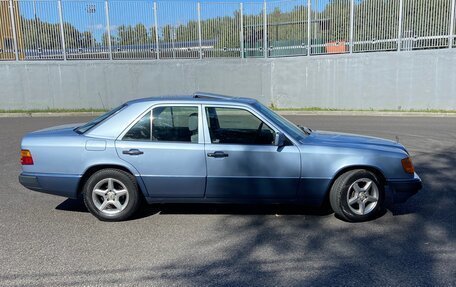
279 139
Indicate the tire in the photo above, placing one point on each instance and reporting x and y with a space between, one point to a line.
111 195
357 196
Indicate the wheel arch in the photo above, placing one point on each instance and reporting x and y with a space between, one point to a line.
94 168
375 170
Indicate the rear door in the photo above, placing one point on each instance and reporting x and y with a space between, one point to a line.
242 160
166 146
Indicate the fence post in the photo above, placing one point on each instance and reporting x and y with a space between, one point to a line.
108 28
265 30
13 28
157 48
62 33
199 31
451 37
241 35
309 21
399 34
352 21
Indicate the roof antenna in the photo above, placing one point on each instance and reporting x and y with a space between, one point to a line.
397 139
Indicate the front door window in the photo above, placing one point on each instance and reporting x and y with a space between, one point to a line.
237 126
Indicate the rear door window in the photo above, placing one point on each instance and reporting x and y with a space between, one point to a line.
166 124
175 124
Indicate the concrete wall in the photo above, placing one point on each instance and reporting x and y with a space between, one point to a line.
406 80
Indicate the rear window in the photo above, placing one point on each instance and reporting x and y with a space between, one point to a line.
84 128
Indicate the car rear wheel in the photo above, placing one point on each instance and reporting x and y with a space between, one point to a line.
111 195
357 196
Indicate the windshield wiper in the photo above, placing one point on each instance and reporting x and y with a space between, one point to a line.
306 130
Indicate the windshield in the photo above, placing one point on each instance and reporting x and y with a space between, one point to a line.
82 129
292 129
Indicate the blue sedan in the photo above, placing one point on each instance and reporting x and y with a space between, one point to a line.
213 149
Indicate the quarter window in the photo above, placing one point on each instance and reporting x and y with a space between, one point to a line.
237 126
140 131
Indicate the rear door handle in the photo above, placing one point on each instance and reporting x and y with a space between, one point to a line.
132 151
217 154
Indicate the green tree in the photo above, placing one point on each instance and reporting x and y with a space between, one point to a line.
140 34
337 14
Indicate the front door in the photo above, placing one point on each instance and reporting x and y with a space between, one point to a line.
242 160
167 149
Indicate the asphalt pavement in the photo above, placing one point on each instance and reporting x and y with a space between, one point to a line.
53 241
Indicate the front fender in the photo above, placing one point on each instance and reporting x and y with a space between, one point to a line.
322 164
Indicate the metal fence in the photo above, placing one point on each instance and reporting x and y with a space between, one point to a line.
145 29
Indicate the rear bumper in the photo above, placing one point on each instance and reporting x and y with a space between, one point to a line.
404 189
57 184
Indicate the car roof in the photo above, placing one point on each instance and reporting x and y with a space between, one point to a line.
198 97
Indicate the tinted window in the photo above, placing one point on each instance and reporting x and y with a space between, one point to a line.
237 126
175 124
140 131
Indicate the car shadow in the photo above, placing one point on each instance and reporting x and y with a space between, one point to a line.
77 205
73 205
231 209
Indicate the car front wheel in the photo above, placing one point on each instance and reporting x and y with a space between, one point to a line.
357 196
111 195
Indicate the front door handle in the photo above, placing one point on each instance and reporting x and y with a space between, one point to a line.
133 151
217 154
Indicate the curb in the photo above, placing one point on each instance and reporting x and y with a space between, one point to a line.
366 114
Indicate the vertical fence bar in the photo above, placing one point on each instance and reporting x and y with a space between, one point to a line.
352 20
265 30
309 30
399 34
108 28
241 36
199 30
13 28
62 33
157 48
172 33
451 30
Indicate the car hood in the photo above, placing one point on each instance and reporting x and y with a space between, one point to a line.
333 138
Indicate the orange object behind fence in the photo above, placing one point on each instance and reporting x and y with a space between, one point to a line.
335 47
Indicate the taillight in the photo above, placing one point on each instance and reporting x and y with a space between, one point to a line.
407 165
26 157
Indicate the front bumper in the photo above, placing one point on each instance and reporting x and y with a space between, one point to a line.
57 184
404 189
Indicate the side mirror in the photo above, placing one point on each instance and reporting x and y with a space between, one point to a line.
279 139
